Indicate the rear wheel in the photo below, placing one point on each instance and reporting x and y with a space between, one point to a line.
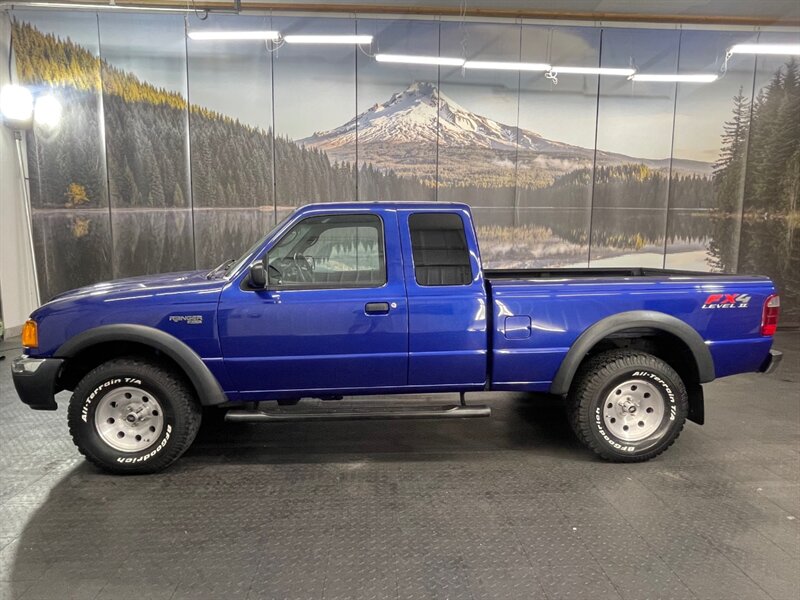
131 415
627 405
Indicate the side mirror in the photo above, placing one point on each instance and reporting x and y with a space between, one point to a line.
258 275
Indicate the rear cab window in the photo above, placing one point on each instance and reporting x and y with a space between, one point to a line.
439 249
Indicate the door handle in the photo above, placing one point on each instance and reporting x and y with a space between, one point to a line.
376 308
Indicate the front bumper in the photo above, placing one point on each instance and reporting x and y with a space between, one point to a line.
35 380
771 362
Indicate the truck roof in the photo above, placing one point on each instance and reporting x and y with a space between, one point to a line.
404 205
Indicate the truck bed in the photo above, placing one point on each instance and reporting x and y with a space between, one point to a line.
538 315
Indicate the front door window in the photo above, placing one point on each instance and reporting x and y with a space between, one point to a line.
342 251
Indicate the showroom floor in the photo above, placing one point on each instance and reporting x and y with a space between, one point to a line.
509 507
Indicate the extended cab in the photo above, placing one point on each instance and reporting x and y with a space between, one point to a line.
387 298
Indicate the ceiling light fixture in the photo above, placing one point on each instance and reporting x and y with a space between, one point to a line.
506 66
234 35
765 49
47 111
16 103
328 39
108 7
688 78
594 71
414 59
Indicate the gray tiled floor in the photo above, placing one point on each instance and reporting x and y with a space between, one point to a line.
509 507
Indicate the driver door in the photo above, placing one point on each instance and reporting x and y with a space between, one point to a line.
333 318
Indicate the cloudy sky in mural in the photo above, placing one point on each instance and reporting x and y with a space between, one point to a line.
544 109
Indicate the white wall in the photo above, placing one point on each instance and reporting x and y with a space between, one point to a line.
17 285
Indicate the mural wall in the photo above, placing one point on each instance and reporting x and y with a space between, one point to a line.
177 153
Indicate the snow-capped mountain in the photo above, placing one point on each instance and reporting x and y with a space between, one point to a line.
398 135
414 114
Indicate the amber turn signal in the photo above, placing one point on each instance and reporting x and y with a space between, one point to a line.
30 334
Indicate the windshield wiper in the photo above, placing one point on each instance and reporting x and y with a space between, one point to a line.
223 268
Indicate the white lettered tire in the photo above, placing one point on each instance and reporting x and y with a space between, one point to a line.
132 415
627 405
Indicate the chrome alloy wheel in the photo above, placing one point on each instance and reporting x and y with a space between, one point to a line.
633 410
129 419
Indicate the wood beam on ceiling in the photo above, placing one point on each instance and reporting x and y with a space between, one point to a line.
450 11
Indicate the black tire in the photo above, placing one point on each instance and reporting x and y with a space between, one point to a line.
599 390
179 418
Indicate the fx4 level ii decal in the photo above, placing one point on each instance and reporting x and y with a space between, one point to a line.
727 301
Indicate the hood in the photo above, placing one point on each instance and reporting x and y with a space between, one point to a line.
150 301
169 286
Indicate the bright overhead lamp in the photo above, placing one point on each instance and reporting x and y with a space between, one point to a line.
234 35
506 66
689 78
16 103
415 59
47 111
765 49
594 71
328 39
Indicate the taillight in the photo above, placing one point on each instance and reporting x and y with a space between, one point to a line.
769 318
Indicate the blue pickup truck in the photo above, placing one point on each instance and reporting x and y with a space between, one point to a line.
363 299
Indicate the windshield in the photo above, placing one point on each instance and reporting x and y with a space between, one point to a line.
233 265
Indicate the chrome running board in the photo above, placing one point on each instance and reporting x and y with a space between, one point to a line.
359 414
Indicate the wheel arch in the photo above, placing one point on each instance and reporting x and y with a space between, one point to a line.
122 339
646 321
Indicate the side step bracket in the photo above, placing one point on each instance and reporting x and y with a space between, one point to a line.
360 413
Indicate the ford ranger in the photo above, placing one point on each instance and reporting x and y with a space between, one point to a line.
363 299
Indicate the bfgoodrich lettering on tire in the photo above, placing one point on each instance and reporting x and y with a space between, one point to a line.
627 406
131 415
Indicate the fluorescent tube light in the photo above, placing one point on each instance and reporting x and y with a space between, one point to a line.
110 7
328 39
689 78
594 71
506 66
415 59
234 35
765 49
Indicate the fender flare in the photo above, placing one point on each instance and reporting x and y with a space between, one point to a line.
630 320
206 385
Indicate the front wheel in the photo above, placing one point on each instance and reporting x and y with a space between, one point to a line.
132 415
627 405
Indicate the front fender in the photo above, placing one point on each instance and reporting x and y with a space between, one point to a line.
208 389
